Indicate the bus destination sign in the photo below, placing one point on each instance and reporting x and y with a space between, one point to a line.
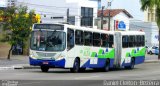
49 26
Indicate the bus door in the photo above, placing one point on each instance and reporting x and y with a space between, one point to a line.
118 48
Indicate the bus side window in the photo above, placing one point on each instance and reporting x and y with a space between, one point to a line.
138 41
96 39
143 40
79 37
111 38
131 41
88 38
125 41
105 39
70 39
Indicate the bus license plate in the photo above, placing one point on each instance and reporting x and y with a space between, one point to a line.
45 62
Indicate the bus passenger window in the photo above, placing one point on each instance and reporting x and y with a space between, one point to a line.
105 39
131 41
70 39
79 37
88 38
96 39
143 41
111 38
125 41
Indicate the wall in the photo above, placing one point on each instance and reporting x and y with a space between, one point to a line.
120 17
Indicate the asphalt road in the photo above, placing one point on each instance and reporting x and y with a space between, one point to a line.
143 71
63 77
146 71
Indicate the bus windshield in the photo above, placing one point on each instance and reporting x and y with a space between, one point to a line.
48 40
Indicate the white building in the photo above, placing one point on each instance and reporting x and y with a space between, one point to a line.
81 12
7 3
3 3
150 29
119 19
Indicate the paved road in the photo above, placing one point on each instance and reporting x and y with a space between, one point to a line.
146 71
143 71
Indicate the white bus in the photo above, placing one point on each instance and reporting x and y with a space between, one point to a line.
78 48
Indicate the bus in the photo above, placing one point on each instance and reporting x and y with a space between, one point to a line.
77 48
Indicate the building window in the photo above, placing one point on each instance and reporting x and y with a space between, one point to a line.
87 16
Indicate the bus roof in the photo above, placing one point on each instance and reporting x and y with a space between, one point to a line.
99 30
89 29
131 32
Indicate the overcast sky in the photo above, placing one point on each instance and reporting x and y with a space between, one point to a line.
132 6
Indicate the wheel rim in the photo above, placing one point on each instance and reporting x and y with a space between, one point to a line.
76 66
132 64
107 68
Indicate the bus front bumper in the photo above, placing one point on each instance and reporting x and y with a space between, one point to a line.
49 63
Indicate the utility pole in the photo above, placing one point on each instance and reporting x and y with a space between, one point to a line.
109 15
68 15
102 11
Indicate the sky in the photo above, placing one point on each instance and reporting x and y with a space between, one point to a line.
132 6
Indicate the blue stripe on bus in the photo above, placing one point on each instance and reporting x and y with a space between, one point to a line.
101 62
138 60
51 63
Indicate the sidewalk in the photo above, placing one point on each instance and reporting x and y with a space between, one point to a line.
22 62
16 62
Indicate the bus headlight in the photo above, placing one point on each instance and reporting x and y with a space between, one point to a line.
61 56
32 55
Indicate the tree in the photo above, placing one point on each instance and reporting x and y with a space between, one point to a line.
17 22
149 4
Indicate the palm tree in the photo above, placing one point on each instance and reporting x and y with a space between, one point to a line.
149 4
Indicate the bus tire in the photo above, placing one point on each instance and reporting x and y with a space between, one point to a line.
132 64
44 68
106 66
82 69
76 66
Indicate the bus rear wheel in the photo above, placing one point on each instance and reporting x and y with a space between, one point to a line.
106 66
44 68
76 66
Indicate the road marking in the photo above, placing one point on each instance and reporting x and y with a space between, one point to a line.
29 83
6 68
87 77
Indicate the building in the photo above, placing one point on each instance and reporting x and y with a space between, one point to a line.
119 19
11 3
7 3
150 15
80 12
150 29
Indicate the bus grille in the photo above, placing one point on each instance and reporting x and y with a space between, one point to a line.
45 54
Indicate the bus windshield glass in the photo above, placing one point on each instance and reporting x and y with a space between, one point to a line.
43 40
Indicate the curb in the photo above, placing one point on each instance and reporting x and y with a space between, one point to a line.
26 67
152 61
31 67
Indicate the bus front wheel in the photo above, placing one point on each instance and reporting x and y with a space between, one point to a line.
44 68
76 66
